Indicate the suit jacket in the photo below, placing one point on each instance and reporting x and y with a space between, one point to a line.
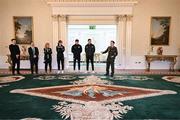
112 53
31 54
14 50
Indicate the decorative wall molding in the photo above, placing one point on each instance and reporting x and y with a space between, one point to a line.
121 18
117 12
91 3
129 17
63 17
124 17
55 17
59 17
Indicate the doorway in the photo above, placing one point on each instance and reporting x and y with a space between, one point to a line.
101 36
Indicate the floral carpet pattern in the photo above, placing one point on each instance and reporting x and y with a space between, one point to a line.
93 96
8 79
92 110
175 79
89 97
138 78
52 77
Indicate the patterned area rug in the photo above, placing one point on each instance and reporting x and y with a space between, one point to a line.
175 79
93 97
7 79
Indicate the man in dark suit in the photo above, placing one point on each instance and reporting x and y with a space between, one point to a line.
34 57
15 56
112 53
89 50
76 50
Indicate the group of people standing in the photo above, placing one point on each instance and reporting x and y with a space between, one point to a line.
76 49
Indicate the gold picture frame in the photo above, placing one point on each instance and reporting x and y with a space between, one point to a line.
23 29
160 31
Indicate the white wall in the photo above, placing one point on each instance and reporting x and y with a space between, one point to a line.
42 20
41 13
143 12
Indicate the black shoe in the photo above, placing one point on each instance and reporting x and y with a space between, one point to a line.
112 75
106 74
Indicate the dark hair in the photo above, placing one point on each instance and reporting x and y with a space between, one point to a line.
13 39
76 40
60 41
89 39
112 41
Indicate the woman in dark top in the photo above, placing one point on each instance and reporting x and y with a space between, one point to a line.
48 57
60 55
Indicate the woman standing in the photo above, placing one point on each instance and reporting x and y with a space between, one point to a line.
60 55
48 57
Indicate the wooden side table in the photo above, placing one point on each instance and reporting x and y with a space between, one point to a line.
22 57
171 58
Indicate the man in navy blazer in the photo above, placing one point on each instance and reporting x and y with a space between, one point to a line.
34 57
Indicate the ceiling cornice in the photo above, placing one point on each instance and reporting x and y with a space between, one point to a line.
91 3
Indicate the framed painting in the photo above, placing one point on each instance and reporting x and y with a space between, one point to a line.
23 29
160 30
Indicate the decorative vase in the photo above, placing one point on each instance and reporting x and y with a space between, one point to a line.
160 51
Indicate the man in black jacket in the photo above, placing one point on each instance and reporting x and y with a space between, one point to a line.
34 57
89 50
15 56
76 50
112 53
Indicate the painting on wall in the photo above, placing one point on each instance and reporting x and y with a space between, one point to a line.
160 30
23 27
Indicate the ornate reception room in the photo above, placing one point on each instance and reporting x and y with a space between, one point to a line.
89 59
